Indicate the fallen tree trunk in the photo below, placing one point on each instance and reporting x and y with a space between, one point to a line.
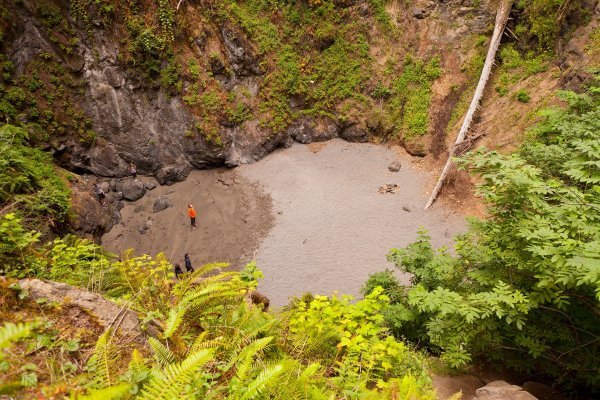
501 19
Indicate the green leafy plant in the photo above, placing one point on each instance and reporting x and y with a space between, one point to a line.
523 286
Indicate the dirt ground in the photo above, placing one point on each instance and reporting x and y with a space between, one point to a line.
233 217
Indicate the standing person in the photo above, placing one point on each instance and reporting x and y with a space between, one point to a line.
178 270
188 263
133 171
100 194
192 215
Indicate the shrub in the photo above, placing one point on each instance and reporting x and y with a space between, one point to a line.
522 96
523 286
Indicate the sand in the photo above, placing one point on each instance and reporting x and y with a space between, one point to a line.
233 216
311 216
333 227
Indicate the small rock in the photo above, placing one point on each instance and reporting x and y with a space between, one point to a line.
162 203
105 186
389 188
406 208
418 13
395 166
119 196
151 185
138 209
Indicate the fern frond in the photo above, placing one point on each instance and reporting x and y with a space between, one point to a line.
246 356
310 371
137 363
112 392
168 383
265 378
101 363
10 333
203 299
161 353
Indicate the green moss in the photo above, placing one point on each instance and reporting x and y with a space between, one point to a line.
381 15
411 97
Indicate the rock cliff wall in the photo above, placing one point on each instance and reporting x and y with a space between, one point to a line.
222 83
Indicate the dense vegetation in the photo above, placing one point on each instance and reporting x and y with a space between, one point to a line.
205 340
30 184
524 285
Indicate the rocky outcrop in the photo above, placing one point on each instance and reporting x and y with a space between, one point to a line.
307 130
89 217
109 314
501 390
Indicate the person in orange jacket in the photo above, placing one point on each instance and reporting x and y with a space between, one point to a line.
192 215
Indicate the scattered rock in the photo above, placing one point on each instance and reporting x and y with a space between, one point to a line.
259 299
151 185
106 312
162 203
501 390
395 166
132 189
389 188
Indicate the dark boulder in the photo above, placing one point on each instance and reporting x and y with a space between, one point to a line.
172 173
132 189
354 133
162 203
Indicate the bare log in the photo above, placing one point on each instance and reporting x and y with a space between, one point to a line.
501 19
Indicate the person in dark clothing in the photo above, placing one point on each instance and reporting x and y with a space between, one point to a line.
100 194
188 263
178 270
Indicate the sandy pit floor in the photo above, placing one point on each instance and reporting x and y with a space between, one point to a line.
311 216
332 225
233 216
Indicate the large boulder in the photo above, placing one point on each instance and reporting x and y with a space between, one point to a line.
501 390
109 314
354 133
89 217
132 189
